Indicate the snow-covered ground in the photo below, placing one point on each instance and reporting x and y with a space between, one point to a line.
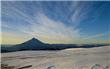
88 58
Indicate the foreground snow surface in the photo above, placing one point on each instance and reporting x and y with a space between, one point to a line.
81 58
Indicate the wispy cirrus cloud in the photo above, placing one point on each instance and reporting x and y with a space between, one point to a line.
40 26
107 34
56 30
51 21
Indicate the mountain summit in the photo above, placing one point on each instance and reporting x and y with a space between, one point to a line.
35 44
31 44
33 41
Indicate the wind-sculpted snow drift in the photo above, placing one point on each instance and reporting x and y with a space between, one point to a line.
74 58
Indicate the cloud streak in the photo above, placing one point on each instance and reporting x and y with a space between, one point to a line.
56 29
51 22
40 26
99 35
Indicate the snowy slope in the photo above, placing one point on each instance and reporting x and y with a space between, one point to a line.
81 58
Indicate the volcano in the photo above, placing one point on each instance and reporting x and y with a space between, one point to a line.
32 44
35 44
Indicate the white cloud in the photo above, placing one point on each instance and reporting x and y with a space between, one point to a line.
107 34
48 27
41 26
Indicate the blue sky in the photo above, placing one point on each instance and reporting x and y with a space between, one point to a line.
56 22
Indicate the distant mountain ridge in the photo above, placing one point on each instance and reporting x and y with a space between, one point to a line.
35 44
33 41
32 44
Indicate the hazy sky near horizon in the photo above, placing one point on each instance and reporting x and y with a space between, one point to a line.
55 22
